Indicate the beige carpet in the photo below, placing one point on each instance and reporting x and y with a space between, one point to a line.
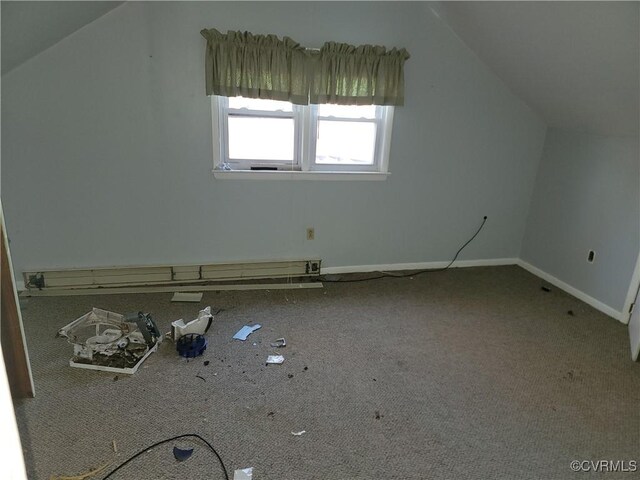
466 374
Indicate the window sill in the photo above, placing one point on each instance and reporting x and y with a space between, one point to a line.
297 175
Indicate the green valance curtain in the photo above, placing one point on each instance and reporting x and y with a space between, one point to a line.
256 66
264 66
364 75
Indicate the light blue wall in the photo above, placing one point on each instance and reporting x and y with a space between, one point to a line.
106 148
587 197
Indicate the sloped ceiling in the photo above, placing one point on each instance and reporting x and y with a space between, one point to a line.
575 63
29 28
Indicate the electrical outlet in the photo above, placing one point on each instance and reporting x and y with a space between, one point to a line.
311 233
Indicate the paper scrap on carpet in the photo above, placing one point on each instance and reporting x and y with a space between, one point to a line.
245 331
243 474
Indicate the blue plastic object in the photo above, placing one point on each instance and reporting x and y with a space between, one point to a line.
182 454
191 345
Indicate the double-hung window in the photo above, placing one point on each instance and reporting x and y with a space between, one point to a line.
258 135
277 105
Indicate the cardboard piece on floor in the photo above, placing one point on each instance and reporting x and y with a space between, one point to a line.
187 297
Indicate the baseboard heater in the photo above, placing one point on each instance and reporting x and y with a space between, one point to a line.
169 275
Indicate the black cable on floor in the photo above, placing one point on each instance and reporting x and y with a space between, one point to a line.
186 435
385 275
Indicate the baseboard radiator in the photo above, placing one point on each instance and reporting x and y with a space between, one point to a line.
169 275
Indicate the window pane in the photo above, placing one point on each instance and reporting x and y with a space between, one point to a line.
345 143
347 111
259 104
255 138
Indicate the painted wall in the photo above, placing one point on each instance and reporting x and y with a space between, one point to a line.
106 148
587 197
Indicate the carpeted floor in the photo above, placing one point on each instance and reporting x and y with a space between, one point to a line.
470 373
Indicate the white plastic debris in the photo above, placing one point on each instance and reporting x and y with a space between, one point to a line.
104 340
297 434
277 359
198 326
243 474
279 343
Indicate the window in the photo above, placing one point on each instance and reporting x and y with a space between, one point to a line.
258 135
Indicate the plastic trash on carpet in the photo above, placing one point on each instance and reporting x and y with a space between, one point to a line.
112 342
198 326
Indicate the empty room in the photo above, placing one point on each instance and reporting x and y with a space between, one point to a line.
362 240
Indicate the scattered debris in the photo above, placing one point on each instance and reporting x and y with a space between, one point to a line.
306 368
245 331
115 447
276 359
270 414
570 312
545 289
201 378
187 297
82 476
254 344
115 379
206 362
279 343
290 375
191 345
374 380
243 474
378 416
182 454
104 340
199 325
297 434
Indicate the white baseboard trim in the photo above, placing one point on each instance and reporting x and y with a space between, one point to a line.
20 285
580 295
390 267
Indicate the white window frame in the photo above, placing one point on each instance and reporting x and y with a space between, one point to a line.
305 125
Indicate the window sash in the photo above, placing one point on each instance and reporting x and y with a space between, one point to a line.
336 167
223 114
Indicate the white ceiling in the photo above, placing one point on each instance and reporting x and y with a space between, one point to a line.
575 63
28 28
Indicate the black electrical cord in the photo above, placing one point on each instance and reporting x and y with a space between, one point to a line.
390 275
224 469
